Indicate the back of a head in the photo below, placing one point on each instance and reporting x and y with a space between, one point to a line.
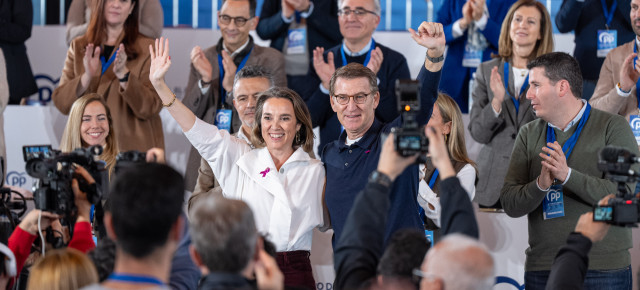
560 66
404 252
64 269
223 232
463 263
145 202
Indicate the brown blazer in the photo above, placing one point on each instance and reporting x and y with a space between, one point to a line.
135 110
605 97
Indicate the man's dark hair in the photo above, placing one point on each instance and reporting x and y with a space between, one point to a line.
223 232
405 252
252 6
253 71
560 66
351 71
104 257
145 202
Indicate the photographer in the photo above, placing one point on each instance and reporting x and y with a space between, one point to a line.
570 265
36 220
361 245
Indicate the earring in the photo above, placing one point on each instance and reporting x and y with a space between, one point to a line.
298 137
446 136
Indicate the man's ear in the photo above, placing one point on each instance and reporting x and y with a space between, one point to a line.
259 247
108 225
197 260
254 23
177 229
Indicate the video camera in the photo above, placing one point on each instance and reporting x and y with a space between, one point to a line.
624 208
409 139
55 170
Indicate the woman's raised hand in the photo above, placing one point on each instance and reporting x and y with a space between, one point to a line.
120 67
160 61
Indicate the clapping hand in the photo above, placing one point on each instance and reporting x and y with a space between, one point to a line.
120 66
201 64
229 71
629 72
498 90
324 69
375 62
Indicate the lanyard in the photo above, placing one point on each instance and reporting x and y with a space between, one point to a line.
635 59
608 14
223 93
132 278
366 60
571 142
106 64
432 181
515 100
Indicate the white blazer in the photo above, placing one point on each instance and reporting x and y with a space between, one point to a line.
286 204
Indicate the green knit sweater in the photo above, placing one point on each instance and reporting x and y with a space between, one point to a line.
520 195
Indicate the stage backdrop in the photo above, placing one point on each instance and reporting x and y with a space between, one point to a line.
36 125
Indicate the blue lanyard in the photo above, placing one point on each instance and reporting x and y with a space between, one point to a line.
515 100
608 14
432 181
366 60
567 148
223 93
106 64
132 278
635 59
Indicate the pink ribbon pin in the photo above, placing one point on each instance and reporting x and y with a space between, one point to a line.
264 173
367 151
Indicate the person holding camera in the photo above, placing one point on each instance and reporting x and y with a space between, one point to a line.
447 118
37 221
500 108
278 179
553 175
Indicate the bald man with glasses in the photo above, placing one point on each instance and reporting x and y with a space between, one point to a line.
213 70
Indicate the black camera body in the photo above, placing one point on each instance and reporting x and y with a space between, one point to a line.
409 139
624 208
55 170
128 159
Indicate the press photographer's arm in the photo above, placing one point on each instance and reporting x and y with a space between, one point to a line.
27 231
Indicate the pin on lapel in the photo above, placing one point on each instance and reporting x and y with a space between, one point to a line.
264 173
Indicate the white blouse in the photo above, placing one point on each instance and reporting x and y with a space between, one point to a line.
286 204
426 196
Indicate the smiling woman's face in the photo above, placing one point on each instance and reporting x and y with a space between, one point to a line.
94 127
279 124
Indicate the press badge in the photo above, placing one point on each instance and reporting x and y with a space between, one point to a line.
553 203
223 119
297 40
607 40
634 121
472 57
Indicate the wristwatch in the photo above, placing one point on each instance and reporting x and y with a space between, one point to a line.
380 178
435 59
125 78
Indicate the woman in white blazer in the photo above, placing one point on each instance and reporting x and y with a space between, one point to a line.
281 183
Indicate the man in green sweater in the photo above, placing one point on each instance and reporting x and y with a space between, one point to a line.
553 176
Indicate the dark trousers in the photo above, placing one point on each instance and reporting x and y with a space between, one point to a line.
296 268
616 279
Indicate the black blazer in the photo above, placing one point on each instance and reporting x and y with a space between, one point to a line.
16 18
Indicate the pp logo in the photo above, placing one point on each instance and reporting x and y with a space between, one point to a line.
46 85
554 196
607 38
635 124
223 118
15 178
296 36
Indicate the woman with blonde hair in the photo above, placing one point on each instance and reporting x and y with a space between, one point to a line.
447 119
90 123
63 269
500 106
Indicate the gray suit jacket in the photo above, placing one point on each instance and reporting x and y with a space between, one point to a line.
605 97
497 134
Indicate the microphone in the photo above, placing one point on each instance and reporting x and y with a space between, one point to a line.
614 154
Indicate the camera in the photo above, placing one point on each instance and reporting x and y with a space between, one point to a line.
624 208
409 139
54 170
129 158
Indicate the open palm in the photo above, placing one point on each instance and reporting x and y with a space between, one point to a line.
160 60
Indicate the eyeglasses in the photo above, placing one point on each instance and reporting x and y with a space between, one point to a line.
419 275
358 98
358 12
226 19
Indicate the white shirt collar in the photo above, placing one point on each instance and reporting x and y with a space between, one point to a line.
233 54
358 53
575 120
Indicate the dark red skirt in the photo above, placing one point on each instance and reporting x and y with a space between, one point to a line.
296 268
